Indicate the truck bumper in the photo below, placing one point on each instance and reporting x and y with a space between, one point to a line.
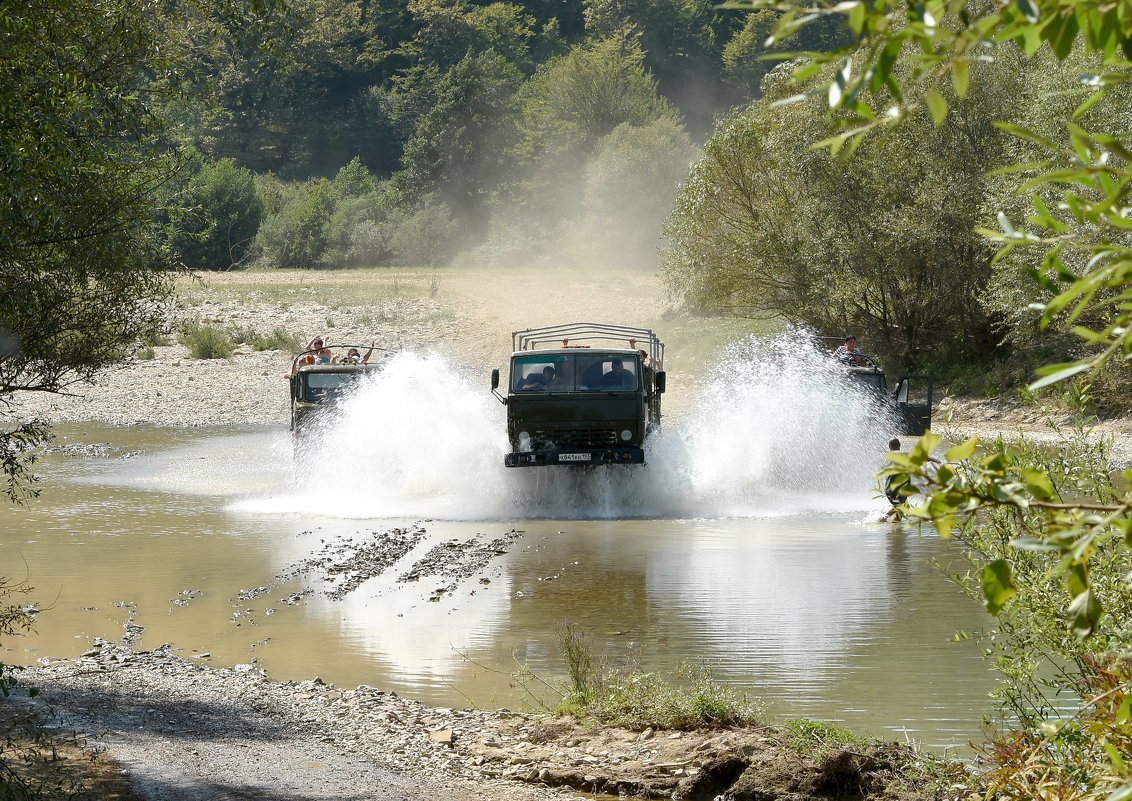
575 457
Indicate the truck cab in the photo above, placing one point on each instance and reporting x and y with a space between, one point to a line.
581 394
911 399
318 381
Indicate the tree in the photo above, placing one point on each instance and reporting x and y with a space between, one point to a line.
450 30
288 90
222 215
575 100
80 245
297 236
678 38
631 184
459 147
883 245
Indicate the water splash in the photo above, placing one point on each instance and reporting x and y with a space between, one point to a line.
775 419
415 439
777 428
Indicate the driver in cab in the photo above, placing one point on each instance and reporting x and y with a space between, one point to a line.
618 377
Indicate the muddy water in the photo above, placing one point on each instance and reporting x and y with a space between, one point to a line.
744 542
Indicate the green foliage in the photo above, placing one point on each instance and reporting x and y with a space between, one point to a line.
278 339
423 236
450 31
678 39
358 233
576 99
631 186
296 236
15 618
1041 527
206 340
222 213
817 737
876 86
638 700
458 147
79 229
883 245
286 87
747 56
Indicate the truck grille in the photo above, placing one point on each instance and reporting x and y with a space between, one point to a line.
596 438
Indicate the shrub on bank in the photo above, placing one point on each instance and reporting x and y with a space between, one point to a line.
279 338
206 341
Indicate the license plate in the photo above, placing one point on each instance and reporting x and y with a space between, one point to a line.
573 457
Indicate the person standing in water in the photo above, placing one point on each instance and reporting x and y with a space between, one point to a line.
892 487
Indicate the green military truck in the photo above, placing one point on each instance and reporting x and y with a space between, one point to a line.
320 377
581 394
911 400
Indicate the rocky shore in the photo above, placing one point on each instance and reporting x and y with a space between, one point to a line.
184 730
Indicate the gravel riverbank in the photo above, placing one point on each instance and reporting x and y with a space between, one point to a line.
185 731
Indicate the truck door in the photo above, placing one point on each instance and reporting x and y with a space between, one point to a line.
913 398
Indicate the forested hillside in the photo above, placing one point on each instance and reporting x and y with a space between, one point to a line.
340 133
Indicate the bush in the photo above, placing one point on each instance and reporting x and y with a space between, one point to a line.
223 214
206 341
279 339
296 236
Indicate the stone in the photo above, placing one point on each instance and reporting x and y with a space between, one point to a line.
442 736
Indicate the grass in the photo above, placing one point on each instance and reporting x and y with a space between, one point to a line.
334 289
637 700
278 339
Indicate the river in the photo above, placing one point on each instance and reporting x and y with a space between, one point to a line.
747 543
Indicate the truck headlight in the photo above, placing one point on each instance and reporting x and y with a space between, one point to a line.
626 435
524 441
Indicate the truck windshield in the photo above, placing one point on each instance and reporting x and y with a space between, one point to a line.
547 373
588 372
318 386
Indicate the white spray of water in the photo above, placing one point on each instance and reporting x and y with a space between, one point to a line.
778 421
413 440
777 429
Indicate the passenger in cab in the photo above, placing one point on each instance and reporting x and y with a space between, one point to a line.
850 354
536 380
560 381
317 353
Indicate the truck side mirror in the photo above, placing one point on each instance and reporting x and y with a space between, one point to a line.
495 379
660 383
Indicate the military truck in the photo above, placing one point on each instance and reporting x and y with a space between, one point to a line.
581 394
319 377
911 400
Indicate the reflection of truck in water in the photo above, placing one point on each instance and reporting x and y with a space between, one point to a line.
910 401
581 393
319 377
